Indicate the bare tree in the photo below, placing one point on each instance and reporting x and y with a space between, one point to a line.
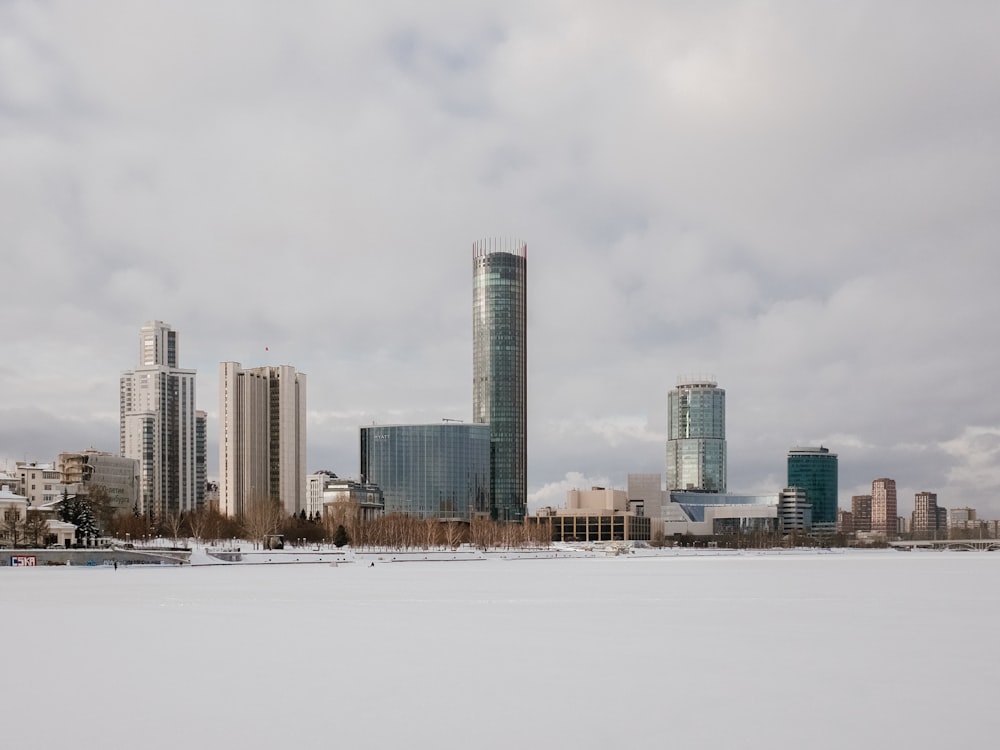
197 523
454 531
431 528
262 515
174 521
13 525
35 527
101 506
481 532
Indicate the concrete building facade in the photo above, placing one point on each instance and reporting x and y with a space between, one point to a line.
596 515
40 484
861 513
645 492
262 437
884 516
924 521
346 499
794 510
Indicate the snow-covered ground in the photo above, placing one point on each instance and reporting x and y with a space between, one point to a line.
854 650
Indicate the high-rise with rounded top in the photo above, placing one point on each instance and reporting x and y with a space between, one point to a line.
499 368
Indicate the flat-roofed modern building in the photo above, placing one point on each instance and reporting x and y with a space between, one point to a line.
429 470
345 500
815 471
499 368
708 513
861 513
159 425
599 514
794 510
924 521
41 484
696 436
884 518
645 492
262 437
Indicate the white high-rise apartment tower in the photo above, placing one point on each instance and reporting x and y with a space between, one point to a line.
159 426
262 437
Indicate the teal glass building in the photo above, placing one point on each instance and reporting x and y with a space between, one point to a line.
815 471
429 470
499 368
696 437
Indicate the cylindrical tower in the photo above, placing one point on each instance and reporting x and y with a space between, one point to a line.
499 368
696 436
815 471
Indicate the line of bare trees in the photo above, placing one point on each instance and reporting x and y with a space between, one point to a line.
397 531
265 517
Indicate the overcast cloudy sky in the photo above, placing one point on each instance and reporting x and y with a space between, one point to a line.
800 199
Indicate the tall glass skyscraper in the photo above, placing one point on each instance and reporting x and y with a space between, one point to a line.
499 368
696 437
815 471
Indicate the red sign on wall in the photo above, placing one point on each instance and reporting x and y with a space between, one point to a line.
23 561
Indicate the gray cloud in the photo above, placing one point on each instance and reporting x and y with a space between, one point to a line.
798 200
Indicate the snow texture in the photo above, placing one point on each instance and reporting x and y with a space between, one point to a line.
831 650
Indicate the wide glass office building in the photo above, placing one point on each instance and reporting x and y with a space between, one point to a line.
429 470
815 471
696 437
499 368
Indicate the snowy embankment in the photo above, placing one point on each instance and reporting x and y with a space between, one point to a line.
863 650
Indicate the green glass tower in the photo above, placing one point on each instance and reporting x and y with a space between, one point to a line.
499 368
815 471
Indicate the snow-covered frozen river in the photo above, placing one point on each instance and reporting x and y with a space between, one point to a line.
858 650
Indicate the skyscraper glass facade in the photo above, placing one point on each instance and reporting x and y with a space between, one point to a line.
815 471
499 368
429 470
696 437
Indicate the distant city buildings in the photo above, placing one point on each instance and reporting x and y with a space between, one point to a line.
696 437
262 437
720 513
499 369
160 427
430 470
116 476
795 512
861 512
884 517
596 515
347 501
925 519
40 483
645 494
815 471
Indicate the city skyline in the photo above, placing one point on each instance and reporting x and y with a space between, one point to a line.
797 200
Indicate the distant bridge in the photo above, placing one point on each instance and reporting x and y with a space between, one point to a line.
962 545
